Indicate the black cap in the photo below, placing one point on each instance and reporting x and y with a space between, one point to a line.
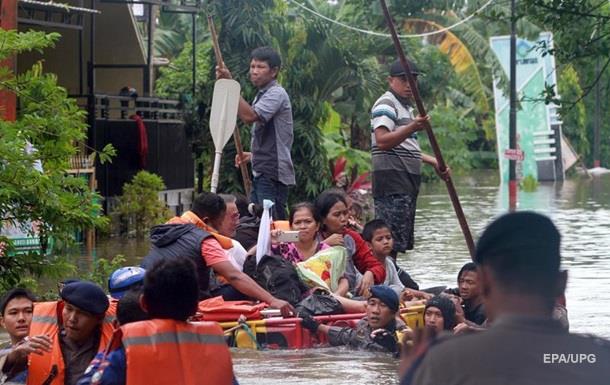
396 69
447 308
86 296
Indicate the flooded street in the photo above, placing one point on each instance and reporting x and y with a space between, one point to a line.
580 208
325 366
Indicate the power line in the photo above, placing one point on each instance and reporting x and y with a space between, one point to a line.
380 34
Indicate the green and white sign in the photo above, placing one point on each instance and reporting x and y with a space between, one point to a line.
535 119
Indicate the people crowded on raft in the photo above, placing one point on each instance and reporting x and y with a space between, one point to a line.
140 352
195 235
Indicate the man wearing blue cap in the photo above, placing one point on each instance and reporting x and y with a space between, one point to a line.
78 328
376 331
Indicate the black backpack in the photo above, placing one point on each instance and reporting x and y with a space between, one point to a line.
277 276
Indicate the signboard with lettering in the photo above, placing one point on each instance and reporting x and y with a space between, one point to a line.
536 142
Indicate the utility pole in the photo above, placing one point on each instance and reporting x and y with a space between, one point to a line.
512 120
596 137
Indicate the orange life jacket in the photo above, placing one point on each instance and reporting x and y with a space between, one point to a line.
49 368
281 225
164 351
190 217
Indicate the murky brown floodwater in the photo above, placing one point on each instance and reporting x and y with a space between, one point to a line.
580 208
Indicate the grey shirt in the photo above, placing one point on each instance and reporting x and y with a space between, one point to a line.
518 350
391 277
272 136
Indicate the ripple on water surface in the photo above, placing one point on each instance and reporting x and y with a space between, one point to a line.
324 366
581 209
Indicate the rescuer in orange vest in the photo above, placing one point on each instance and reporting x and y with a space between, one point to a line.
167 349
78 328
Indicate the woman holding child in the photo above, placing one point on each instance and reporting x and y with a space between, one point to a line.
363 269
302 218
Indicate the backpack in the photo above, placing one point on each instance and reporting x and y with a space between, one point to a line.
276 275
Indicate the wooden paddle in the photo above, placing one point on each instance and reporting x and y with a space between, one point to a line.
236 136
433 143
223 117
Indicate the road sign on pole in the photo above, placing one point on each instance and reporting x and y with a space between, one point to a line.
514 154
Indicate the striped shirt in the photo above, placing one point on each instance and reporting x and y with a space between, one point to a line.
396 171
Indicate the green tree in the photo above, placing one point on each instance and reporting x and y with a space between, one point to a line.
52 125
574 116
139 206
240 30
581 30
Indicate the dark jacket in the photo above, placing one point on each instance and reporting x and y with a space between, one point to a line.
247 231
475 314
180 240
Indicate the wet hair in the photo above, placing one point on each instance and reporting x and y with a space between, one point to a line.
241 201
12 294
522 251
171 289
470 266
326 201
371 227
129 310
303 205
208 204
268 55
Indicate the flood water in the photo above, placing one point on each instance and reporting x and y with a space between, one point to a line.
580 207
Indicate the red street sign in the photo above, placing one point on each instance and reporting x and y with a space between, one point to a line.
513 154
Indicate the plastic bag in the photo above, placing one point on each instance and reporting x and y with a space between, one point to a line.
263 242
324 269
319 303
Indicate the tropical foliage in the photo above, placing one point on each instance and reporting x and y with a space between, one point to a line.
139 207
36 194
334 74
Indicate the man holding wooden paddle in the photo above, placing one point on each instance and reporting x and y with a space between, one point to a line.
272 131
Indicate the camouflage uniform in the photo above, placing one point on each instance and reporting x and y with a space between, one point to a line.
398 211
360 336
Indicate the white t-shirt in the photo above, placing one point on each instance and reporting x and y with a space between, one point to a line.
237 255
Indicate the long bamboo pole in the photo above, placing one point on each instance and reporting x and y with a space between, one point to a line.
236 136
433 143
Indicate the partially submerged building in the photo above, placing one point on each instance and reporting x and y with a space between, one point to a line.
105 61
